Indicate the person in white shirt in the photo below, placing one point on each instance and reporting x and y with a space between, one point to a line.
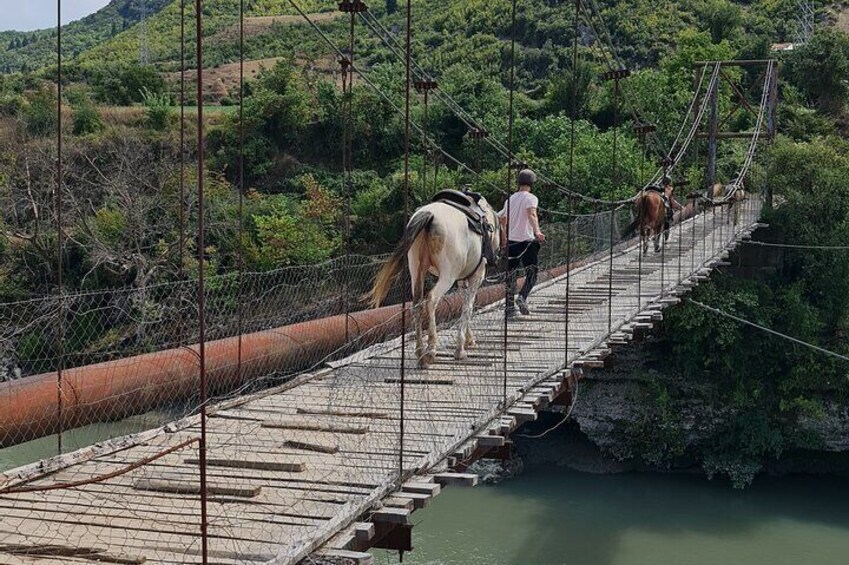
523 241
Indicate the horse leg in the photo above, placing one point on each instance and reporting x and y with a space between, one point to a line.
418 270
656 239
465 338
476 283
644 240
462 328
443 284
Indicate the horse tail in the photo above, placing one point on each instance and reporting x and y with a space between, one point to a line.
420 222
632 227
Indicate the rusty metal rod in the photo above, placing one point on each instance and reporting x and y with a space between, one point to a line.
101 478
60 313
204 520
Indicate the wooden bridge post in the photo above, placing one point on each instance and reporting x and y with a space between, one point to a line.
714 125
772 110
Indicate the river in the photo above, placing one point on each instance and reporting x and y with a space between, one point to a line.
32 451
555 516
549 515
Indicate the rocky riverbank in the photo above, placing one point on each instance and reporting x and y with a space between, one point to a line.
639 415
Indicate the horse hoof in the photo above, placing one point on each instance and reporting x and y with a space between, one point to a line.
461 355
471 344
428 358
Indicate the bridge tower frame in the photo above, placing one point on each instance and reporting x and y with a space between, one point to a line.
806 22
716 126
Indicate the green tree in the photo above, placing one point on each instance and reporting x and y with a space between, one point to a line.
277 111
157 109
125 85
86 119
819 69
391 6
40 113
722 18
561 91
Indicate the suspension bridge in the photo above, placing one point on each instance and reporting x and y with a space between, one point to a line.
335 461
325 435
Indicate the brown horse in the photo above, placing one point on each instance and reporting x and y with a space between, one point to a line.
731 205
651 216
687 211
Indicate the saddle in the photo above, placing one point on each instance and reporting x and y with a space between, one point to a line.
467 202
667 205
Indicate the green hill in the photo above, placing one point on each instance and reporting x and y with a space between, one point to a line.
32 50
643 30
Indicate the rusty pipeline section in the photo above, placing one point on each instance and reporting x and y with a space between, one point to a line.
118 389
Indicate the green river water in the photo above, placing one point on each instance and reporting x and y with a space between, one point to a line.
555 516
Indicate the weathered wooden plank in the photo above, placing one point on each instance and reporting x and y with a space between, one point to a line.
364 531
293 424
391 515
311 446
457 479
193 488
253 463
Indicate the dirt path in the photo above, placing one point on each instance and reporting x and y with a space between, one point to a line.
262 25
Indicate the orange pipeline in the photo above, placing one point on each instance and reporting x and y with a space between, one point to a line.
118 389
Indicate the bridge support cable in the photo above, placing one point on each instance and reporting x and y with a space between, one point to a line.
201 234
388 39
573 118
60 309
511 163
181 243
615 76
797 246
347 63
373 23
240 250
386 98
407 123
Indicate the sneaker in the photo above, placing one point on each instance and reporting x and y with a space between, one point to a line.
523 305
512 314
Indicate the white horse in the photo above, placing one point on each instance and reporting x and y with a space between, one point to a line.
439 241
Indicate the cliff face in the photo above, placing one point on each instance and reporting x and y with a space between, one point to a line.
640 415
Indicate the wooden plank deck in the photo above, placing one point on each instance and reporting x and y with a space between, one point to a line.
305 464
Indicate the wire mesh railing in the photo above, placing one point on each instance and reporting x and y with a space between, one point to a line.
248 417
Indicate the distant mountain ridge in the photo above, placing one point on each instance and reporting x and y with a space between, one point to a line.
23 51
112 35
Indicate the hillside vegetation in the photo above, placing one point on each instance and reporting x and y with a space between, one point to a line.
121 164
23 51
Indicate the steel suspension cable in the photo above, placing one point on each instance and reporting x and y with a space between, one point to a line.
508 285
241 173
386 98
407 122
573 117
798 246
467 119
60 326
635 114
201 286
182 218
740 320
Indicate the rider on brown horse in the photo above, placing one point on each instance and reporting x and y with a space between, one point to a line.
654 207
